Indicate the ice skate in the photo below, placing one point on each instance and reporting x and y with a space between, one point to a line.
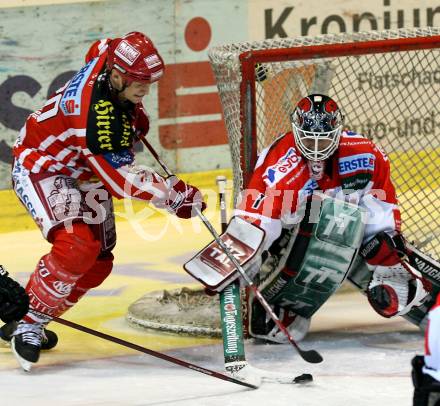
26 343
49 341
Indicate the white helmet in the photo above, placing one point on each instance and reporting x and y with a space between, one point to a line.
317 126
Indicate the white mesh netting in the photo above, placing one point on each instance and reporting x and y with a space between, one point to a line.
391 97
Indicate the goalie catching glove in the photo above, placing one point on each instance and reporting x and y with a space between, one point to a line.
395 286
14 301
212 267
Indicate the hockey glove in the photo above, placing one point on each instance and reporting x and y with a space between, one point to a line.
14 301
183 198
395 286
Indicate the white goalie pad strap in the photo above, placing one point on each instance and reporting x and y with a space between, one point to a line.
213 268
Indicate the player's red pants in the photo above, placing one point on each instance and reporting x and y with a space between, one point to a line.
78 220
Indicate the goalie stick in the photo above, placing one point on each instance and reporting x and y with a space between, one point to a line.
148 351
230 305
311 356
232 324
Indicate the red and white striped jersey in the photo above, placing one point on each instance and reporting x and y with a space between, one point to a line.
83 131
282 181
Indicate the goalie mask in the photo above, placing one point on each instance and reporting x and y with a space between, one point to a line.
317 126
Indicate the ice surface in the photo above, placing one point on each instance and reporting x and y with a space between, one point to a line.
366 358
358 369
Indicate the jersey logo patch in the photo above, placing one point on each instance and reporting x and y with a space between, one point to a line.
356 182
109 128
356 163
70 103
282 168
118 159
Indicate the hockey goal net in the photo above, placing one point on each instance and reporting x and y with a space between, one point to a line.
386 83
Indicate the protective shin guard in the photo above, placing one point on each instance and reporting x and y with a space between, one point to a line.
46 290
92 279
72 255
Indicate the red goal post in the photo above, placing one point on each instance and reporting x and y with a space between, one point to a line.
387 84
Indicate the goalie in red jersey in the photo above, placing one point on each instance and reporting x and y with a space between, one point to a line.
321 195
71 157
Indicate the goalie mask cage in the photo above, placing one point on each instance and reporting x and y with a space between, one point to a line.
387 84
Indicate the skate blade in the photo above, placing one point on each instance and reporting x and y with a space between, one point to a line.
25 364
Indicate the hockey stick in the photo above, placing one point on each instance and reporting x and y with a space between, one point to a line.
230 305
311 356
156 354
221 183
233 347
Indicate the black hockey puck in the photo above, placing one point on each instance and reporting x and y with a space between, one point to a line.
304 378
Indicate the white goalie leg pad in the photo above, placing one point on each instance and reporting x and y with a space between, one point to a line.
389 289
212 267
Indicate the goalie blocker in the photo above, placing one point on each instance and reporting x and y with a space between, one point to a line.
214 269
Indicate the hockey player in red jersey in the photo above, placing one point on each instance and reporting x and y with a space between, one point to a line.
71 157
319 155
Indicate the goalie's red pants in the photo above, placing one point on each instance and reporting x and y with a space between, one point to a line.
74 265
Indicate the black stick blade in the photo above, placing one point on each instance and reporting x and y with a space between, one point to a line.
312 356
304 378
